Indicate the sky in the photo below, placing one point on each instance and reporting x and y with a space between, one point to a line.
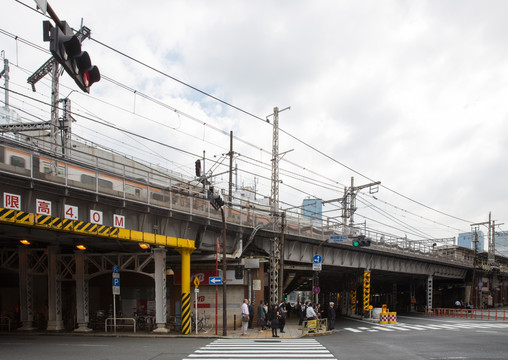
408 93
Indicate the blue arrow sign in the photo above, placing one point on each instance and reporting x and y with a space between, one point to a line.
215 280
317 259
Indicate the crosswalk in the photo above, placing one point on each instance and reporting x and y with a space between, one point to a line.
401 327
254 349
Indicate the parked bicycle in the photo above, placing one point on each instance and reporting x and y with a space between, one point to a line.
204 323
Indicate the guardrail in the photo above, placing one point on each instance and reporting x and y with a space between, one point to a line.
475 314
121 324
314 326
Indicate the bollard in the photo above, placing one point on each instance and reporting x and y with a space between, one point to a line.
234 322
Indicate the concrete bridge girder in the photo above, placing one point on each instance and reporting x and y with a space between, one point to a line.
298 251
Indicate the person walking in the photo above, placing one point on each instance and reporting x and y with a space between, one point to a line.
261 315
274 318
245 316
331 316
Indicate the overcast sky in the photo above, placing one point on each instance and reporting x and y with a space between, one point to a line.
409 93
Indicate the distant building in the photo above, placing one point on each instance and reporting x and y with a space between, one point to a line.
466 240
313 209
501 240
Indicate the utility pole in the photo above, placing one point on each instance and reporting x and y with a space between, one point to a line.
348 202
276 246
230 170
5 74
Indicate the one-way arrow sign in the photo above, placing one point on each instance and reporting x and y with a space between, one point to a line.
215 280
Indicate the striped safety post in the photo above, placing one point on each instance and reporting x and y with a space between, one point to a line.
186 303
366 290
353 301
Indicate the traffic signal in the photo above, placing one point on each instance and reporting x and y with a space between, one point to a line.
361 240
66 49
198 168
239 272
215 200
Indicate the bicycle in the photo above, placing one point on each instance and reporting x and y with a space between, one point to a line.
204 323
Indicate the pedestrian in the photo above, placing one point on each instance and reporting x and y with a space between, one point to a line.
274 318
261 315
251 314
282 316
331 316
245 316
303 309
310 313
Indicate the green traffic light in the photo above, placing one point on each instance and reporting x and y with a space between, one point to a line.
356 243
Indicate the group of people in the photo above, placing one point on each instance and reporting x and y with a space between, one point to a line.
275 315
310 311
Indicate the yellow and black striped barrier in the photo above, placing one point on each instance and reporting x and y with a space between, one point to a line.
186 321
366 290
22 218
353 301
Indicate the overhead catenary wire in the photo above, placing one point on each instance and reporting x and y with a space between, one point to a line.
250 114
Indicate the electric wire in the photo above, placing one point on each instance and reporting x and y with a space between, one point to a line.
245 112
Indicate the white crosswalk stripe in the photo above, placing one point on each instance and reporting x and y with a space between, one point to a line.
254 349
423 327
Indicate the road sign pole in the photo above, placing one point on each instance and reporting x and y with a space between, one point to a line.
114 313
196 307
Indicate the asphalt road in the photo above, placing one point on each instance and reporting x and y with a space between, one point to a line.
415 337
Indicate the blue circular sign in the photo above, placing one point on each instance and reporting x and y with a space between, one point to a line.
116 269
317 259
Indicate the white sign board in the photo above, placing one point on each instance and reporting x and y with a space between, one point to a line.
316 267
337 239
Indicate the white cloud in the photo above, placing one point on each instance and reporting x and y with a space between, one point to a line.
412 94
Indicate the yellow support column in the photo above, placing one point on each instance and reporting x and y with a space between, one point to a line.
186 296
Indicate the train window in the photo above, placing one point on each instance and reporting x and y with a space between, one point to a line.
157 197
87 179
60 171
131 190
105 184
18 161
46 168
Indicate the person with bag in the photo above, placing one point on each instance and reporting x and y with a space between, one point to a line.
261 315
274 312
245 316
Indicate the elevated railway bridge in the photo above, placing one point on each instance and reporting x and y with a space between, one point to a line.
160 231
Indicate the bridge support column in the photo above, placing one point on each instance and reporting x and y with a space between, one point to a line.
186 285
430 290
159 255
25 291
82 309
55 322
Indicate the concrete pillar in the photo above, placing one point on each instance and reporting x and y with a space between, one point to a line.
82 309
159 255
55 322
25 291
